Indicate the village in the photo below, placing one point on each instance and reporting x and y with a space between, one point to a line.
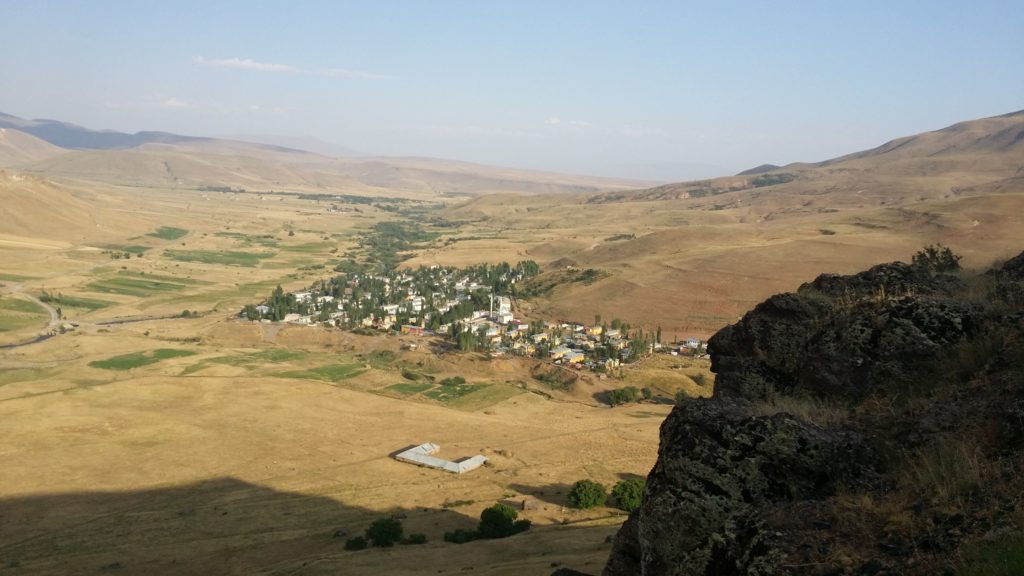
472 307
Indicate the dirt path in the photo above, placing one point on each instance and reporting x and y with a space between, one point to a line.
17 290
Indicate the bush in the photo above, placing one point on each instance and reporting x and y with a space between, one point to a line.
410 375
415 539
357 543
624 395
499 521
453 381
460 536
629 494
385 532
937 259
587 494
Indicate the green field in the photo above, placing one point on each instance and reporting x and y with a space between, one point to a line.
409 388
16 314
311 248
78 302
14 277
168 233
137 359
226 257
452 393
161 278
249 361
329 373
484 396
128 286
265 240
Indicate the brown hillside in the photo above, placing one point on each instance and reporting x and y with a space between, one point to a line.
17 147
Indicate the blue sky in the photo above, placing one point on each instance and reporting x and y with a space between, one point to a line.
658 90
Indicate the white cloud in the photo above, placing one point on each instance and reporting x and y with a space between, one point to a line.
573 124
172 103
169 103
243 64
254 66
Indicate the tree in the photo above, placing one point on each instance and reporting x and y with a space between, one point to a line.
629 494
937 259
587 494
499 521
496 521
385 532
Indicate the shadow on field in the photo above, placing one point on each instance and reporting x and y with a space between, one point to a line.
219 526
551 493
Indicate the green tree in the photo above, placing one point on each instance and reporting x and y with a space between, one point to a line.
499 521
629 494
587 494
937 259
385 532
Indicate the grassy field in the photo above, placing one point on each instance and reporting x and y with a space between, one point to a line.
224 258
138 287
68 301
168 233
17 314
139 359
329 373
409 388
4 276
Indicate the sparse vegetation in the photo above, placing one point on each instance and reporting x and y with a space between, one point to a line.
139 359
225 258
329 373
168 233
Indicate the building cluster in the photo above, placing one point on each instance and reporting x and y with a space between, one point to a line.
435 299
471 306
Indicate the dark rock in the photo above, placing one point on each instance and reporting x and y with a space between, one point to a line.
924 368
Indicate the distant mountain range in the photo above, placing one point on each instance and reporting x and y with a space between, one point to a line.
73 136
55 148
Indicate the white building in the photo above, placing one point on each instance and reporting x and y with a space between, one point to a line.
423 455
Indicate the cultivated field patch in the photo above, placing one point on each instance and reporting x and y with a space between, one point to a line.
329 373
16 314
409 388
168 233
222 257
127 286
137 359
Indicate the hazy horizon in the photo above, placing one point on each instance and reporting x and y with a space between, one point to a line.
658 91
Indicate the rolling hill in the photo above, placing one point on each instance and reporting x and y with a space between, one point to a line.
161 159
692 256
17 147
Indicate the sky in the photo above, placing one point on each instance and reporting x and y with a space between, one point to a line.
652 90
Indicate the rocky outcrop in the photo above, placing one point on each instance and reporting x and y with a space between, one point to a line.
865 424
